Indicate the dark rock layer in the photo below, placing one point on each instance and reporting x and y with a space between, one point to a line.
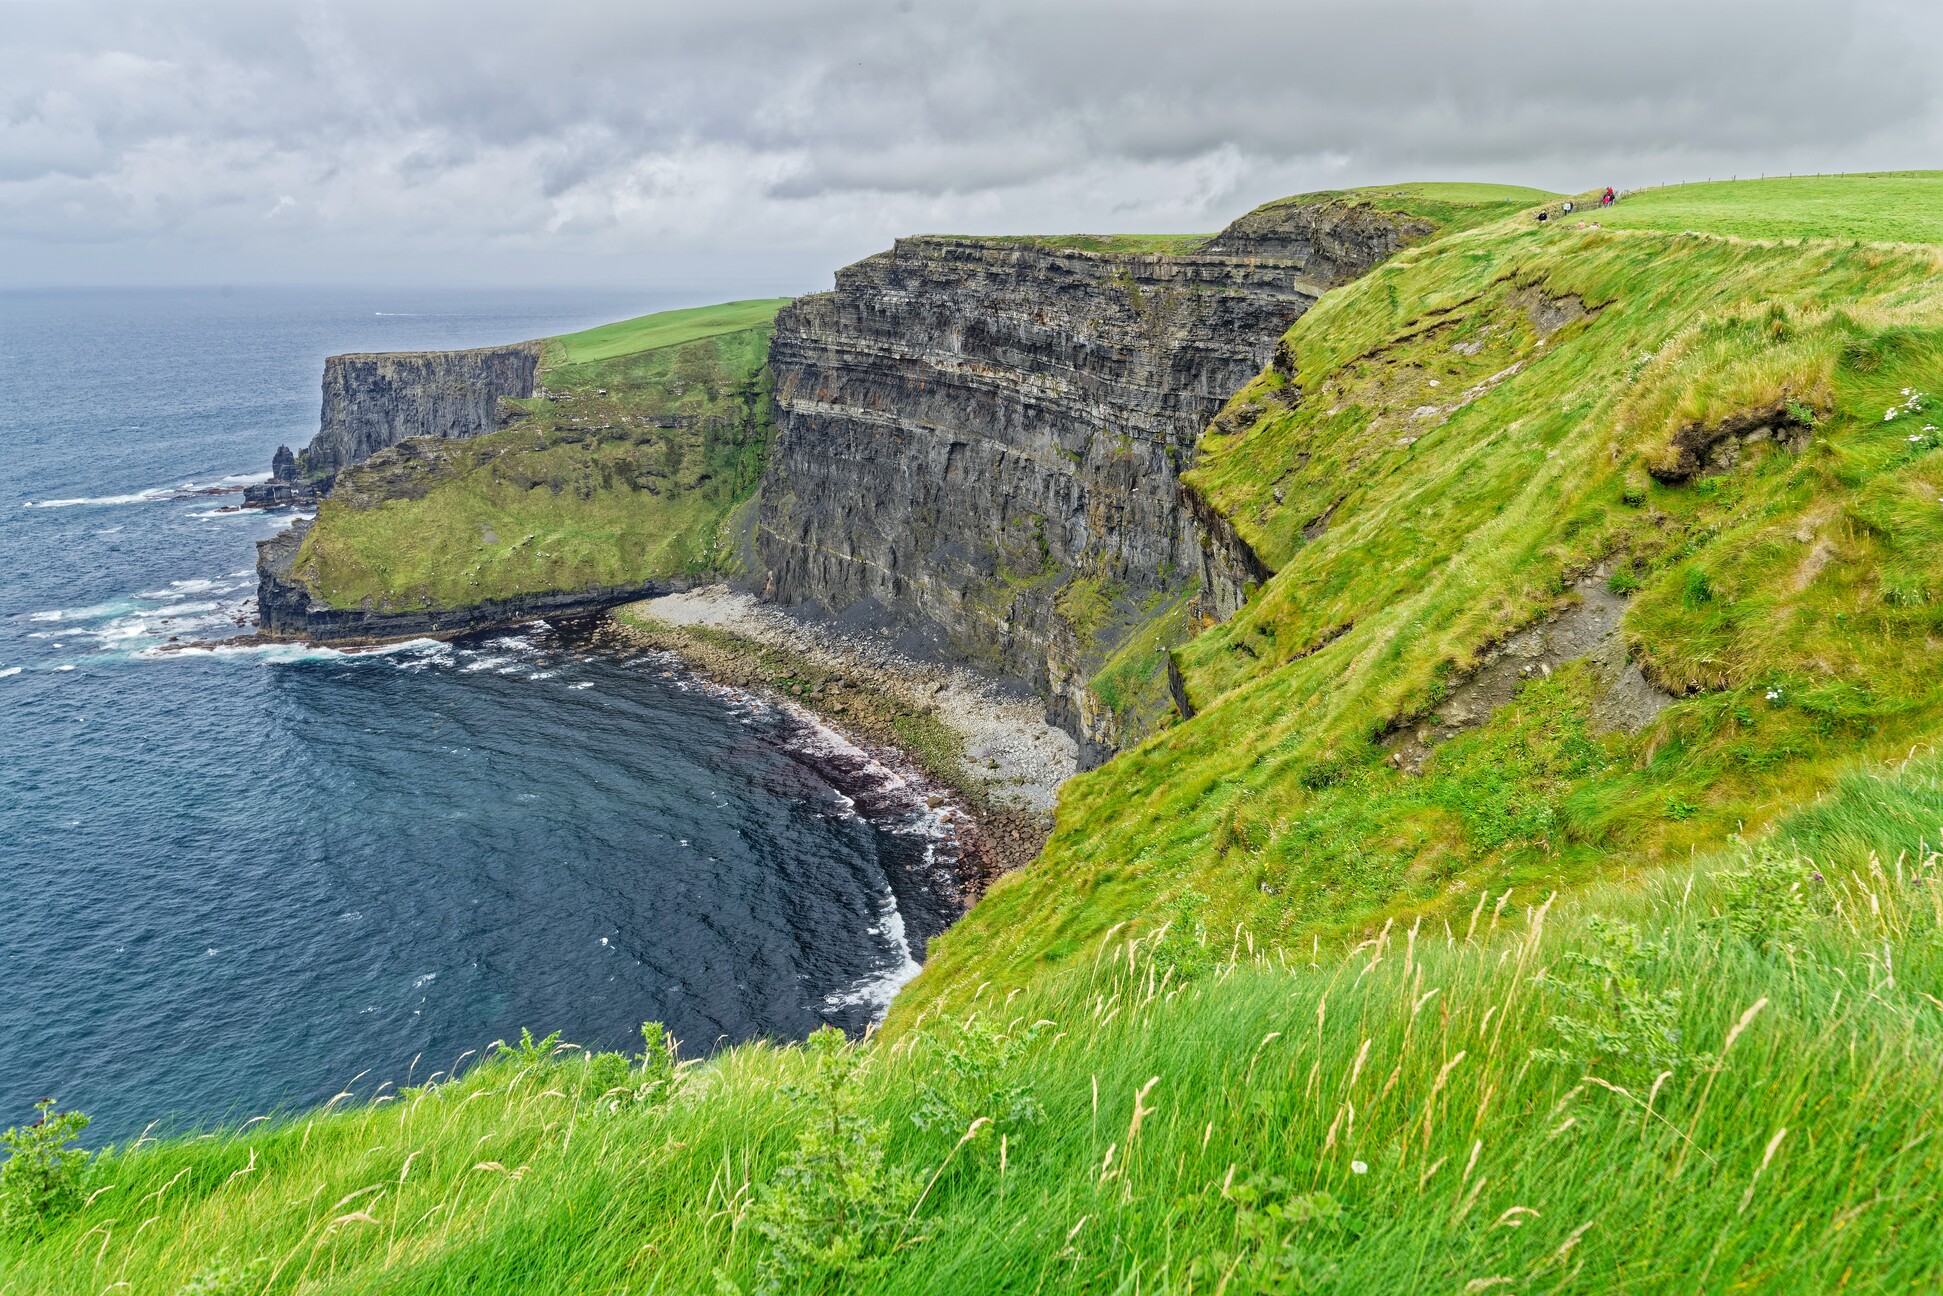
981 440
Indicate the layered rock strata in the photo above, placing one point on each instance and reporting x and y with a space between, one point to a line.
979 441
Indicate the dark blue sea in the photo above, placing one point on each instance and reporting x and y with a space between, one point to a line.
243 880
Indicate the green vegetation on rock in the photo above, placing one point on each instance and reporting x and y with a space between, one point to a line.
629 467
1718 1079
1742 433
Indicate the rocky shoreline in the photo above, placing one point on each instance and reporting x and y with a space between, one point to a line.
996 752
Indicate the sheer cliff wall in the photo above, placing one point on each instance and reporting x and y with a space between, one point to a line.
979 441
372 402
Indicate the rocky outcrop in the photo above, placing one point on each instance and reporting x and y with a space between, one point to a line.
980 441
1334 242
374 401
286 608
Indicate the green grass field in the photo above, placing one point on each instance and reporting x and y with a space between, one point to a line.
664 329
1885 207
1716 1079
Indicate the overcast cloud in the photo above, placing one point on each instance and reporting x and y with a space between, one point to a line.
584 141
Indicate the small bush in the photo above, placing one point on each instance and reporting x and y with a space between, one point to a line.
41 1182
226 1279
835 1210
1771 898
1183 945
1618 1024
1698 590
529 1051
978 1075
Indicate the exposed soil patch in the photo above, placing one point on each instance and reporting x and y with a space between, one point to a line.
1703 450
1587 630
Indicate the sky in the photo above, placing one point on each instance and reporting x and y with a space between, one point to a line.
567 142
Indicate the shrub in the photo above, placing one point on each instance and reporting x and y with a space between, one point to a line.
41 1182
1618 1024
1770 899
977 1074
529 1051
835 1209
1698 589
1183 945
226 1279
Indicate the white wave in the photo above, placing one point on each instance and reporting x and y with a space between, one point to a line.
114 607
184 490
584 684
877 990
11 670
279 654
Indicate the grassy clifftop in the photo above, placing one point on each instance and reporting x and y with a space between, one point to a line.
649 433
1730 440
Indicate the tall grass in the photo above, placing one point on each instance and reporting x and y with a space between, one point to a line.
1717 1079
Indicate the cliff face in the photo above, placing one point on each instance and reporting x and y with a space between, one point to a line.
981 440
373 401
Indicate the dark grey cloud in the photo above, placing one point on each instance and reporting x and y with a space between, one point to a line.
238 138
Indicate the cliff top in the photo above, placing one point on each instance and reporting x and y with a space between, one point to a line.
1875 207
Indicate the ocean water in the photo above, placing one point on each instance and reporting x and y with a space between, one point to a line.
241 880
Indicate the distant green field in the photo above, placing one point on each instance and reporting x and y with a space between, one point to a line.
1880 207
1459 194
663 329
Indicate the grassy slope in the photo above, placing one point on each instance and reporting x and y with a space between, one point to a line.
1450 205
1461 511
1793 1152
585 490
1129 675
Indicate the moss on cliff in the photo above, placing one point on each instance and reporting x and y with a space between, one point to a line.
628 467
1742 436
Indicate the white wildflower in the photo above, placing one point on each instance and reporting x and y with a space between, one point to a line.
1774 695
1888 414
1917 437
1359 1167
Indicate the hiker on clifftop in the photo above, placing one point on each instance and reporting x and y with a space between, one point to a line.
1608 198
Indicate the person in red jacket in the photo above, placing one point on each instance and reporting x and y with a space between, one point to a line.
1608 198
